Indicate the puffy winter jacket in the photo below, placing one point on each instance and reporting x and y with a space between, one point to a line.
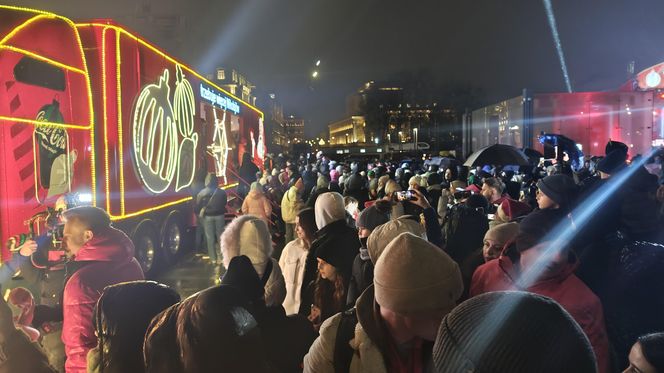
107 259
291 204
258 205
565 288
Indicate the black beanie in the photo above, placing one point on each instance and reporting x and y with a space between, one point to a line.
536 226
514 332
612 146
613 162
560 188
242 276
338 257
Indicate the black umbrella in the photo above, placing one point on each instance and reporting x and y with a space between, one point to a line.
499 155
533 155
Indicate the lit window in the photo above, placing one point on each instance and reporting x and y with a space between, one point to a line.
221 74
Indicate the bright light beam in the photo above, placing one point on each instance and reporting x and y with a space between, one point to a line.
556 41
559 237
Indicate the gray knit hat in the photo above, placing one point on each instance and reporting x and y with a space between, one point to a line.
514 332
374 215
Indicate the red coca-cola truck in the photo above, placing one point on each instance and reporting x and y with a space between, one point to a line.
94 110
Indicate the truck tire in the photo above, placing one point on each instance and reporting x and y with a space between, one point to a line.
147 247
173 237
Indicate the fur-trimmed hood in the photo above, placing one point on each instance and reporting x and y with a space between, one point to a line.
249 235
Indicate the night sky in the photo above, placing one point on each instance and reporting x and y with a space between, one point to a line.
500 46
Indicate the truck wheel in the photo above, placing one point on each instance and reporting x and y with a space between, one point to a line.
173 237
147 247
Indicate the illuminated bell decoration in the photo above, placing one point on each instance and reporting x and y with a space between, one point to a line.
653 79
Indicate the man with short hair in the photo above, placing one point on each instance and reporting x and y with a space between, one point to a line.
98 255
493 189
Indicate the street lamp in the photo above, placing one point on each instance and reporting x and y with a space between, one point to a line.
415 131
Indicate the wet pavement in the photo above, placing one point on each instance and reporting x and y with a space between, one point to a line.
191 274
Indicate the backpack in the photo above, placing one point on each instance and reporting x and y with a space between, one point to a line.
343 353
463 230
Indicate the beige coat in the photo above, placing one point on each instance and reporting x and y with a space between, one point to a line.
292 262
258 205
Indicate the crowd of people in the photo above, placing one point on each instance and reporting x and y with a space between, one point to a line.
379 266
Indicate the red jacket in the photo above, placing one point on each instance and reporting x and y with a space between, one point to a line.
111 260
565 288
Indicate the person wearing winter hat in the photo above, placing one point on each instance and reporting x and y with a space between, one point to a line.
496 238
383 234
509 211
248 235
391 189
331 286
612 163
257 204
123 314
322 186
291 203
362 272
535 250
516 332
382 181
333 233
396 319
272 320
556 192
217 333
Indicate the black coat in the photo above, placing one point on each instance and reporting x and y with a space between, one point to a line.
360 280
339 236
286 338
632 296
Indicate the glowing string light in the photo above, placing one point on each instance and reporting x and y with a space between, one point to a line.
219 147
153 115
556 41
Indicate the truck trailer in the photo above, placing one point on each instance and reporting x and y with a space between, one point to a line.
633 114
94 110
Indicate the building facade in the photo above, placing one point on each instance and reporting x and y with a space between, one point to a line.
294 129
347 131
235 83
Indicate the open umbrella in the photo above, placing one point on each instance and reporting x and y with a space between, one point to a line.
497 154
533 155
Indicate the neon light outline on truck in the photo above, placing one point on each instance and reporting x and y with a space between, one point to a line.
156 122
90 127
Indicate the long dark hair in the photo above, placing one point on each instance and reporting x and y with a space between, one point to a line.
330 296
308 222
652 346
124 312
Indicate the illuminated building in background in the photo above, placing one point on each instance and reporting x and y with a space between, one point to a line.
235 83
394 114
277 140
347 131
294 129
